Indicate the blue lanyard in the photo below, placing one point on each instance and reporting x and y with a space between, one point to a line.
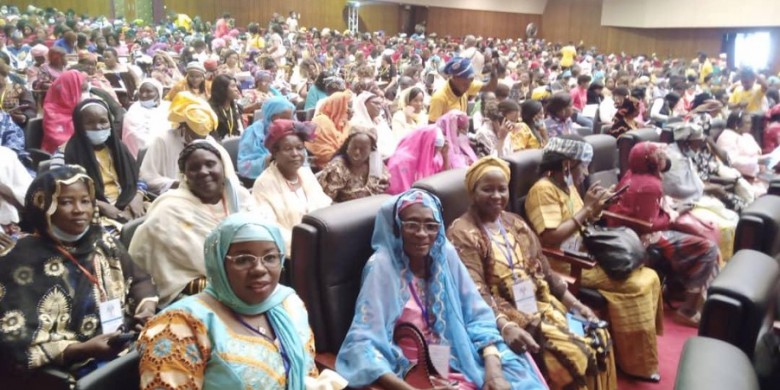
254 330
507 249
419 303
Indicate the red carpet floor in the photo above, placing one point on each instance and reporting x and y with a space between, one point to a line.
669 349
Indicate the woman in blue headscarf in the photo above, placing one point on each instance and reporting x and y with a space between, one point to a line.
253 156
244 331
415 276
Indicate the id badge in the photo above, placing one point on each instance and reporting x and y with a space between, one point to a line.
111 317
525 297
572 244
440 357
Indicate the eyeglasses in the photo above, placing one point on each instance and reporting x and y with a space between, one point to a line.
414 227
246 261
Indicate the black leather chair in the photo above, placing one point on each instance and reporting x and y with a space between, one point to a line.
759 226
710 364
330 248
741 301
118 374
633 137
128 231
33 139
604 167
450 187
524 172
231 146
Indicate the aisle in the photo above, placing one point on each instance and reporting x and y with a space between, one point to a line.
669 349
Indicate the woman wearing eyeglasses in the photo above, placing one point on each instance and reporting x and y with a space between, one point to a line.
245 331
416 277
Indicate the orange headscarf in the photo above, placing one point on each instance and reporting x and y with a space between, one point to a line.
331 120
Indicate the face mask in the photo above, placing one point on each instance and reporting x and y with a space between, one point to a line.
568 180
539 124
66 237
98 137
148 103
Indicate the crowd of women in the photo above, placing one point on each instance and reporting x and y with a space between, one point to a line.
232 137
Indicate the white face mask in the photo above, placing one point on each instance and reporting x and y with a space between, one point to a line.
66 237
568 179
98 137
151 103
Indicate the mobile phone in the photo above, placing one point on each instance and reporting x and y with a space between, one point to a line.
617 194
576 324
122 339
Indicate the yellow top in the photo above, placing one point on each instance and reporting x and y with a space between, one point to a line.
568 53
522 138
111 188
547 206
444 100
754 98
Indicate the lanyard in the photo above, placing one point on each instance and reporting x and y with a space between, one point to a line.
86 273
265 336
230 124
2 98
507 248
419 303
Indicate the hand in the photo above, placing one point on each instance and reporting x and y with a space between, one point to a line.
110 211
136 206
505 128
496 383
446 148
143 314
587 313
409 111
519 340
6 243
18 118
94 348
596 197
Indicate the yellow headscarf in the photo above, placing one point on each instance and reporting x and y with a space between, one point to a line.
481 167
194 111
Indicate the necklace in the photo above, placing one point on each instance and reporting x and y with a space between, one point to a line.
293 183
259 330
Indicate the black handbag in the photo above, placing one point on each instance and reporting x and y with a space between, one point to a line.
618 250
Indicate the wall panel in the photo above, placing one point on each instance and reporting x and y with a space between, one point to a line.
91 7
458 22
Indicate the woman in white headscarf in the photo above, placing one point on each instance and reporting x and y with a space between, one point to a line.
368 109
147 118
411 112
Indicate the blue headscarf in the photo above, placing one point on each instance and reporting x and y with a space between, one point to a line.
240 227
251 151
462 318
459 67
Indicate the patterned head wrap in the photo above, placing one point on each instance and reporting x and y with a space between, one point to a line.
481 167
459 67
194 111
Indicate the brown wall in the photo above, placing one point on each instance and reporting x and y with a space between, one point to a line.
91 7
319 13
460 22
566 20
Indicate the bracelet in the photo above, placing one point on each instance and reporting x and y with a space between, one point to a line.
490 350
500 316
503 328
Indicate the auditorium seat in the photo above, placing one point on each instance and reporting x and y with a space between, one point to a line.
33 139
633 137
128 231
231 146
121 373
330 248
710 364
604 167
759 226
450 187
741 301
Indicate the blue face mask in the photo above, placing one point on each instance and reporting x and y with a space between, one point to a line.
66 237
151 103
98 137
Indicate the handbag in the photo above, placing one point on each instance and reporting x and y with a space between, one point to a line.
618 250
423 373
693 225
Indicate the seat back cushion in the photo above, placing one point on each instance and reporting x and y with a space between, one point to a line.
450 188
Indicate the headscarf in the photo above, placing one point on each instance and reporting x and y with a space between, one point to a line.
403 102
79 150
40 202
61 98
461 318
630 106
481 167
194 111
196 66
646 158
386 141
684 131
252 152
568 147
56 54
459 67
414 159
141 124
39 50
215 249
157 85
331 132
460 152
281 128
361 111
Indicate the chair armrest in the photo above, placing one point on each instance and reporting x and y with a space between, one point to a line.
577 265
630 220
325 360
